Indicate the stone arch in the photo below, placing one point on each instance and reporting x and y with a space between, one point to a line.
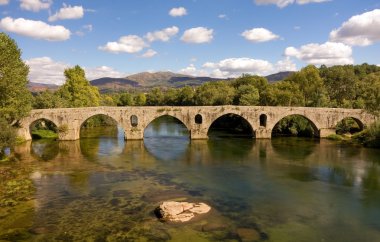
263 118
357 120
149 121
35 120
91 115
198 119
251 125
314 124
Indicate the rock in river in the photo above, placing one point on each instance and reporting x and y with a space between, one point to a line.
180 211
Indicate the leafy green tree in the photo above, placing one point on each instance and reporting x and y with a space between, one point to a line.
171 97
15 99
260 83
186 96
77 90
125 99
7 136
311 85
341 83
155 97
372 93
247 95
214 93
48 99
283 93
140 99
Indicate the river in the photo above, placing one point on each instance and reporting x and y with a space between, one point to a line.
102 188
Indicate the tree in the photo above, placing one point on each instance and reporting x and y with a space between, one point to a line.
48 99
186 96
155 97
140 99
247 95
7 136
125 99
283 93
77 90
214 93
15 99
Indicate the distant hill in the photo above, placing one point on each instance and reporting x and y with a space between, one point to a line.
147 80
279 76
40 87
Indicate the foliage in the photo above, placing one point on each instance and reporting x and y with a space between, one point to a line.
347 125
155 97
214 93
44 134
7 136
15 99
77 90
48 99
369 137
294 125
99 120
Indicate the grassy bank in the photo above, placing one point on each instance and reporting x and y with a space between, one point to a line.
44 134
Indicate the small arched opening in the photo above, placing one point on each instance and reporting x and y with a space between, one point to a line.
43 129
134 121
231 125
263 120
349 126
198 119
296 126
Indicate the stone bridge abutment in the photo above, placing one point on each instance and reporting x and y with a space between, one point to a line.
197 119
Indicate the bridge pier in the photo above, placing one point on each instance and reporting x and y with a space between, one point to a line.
133 134
198 134
324 133
263 133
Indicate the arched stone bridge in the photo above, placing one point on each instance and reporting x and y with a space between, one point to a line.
197 119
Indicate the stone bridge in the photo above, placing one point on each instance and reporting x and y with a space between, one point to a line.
197 119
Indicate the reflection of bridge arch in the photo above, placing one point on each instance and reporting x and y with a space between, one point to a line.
325 119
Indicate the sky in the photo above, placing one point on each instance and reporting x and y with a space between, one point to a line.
217 38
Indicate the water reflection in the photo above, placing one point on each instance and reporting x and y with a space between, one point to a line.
102 188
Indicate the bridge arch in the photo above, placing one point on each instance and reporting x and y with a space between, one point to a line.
151 120
82 122
313 123
358 121
36 120
243 119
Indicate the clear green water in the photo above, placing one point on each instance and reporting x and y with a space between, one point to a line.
101 188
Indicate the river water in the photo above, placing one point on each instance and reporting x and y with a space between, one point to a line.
102 188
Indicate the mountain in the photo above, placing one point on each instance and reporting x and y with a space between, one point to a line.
40 87
147 80
279 76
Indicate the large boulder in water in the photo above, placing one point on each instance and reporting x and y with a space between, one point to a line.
180 211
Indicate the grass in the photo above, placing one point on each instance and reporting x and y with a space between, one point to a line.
44 134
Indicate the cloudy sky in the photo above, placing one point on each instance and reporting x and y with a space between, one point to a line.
219 38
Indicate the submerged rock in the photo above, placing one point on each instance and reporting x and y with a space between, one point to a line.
180 211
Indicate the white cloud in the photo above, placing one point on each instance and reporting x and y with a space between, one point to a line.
259 35
329 53
198 35
102 71
149 53
4 2
48 71
178 12
222 16
35 29
128 44
35 5
284 3
162 35
68 12
191 70
285 65
359 30
45 70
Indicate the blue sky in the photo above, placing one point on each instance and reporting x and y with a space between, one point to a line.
220 38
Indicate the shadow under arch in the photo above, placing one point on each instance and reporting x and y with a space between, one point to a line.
166 138
42 124
295 125
100 135
349 125
231 125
